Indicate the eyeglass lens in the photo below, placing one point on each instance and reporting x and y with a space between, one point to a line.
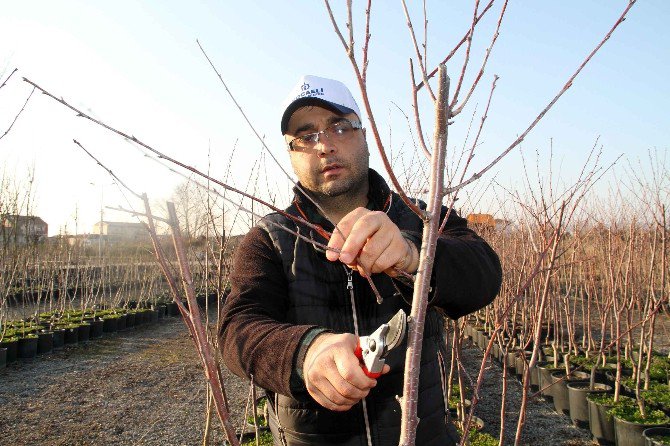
339 131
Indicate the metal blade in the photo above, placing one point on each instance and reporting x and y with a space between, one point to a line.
397 327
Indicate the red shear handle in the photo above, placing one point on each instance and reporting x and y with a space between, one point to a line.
359 354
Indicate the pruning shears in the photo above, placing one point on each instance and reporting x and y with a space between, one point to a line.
374 348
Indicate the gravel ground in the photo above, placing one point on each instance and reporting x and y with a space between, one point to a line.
144 386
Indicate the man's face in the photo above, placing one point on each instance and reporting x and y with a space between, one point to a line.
330 169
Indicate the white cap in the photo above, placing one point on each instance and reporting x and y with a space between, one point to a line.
314 90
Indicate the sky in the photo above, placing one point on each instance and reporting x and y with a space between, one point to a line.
136 66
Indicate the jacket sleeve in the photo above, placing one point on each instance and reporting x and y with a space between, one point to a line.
467 274
253 337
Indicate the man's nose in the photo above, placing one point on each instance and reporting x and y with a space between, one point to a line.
324 146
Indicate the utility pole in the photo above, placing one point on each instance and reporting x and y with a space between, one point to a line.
102 207
102 196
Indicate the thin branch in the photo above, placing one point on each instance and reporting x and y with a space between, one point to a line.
350 25
337 28
20 111
172 160
417 118
8 77
474 144
109 171
458 45
457 110
373 126
565 88
135 213
367 41
466 60
422 67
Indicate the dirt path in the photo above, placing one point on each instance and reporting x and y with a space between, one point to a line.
145 386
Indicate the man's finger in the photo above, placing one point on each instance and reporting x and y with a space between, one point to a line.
364 229
375 255
326 402
342 232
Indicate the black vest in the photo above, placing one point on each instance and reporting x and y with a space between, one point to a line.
318 294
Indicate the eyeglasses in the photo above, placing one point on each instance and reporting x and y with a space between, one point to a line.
341 131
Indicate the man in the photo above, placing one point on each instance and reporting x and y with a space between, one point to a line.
295 312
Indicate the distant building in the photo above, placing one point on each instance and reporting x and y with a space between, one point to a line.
482 220
22 229
118 231
81 240
487 221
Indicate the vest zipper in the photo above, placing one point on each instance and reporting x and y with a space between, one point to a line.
352 298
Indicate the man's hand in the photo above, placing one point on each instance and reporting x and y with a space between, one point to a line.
370 242
333 374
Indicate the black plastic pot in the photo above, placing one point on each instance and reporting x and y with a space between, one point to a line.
630 433
650 435
579 410
601 423
96 328
534 378
521 362
121 322
28 347
130 320
71 335
12 350
544 371
45 342
144 317
467 332
560 392
510 360
172 309
484 338
495 351
84 332
58 338
110 325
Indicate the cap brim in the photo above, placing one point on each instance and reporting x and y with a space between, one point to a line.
307 101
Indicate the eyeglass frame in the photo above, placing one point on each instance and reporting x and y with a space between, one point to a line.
356 125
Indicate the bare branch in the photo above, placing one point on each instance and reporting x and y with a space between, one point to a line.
458 45
109 171
474 144
20 111
337 28
467 55
457 110
367 42
417 118
8 77
373 125
565 88
422 67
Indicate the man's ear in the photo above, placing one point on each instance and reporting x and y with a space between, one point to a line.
364 132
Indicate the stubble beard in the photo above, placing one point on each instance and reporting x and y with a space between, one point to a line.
340 192
346 187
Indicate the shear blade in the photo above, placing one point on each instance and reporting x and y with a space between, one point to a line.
396 333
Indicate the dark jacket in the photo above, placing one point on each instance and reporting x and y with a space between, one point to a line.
284 289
